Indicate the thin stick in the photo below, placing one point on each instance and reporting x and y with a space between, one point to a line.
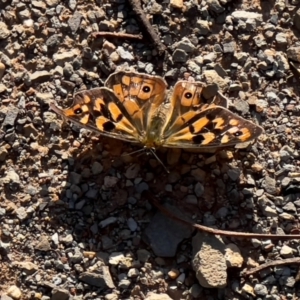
134 152
137 8
221 232
116 35
287 261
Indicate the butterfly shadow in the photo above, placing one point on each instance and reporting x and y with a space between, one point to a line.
103 193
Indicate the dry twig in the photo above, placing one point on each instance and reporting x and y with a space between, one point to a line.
137 8
221 232
116 35
287 261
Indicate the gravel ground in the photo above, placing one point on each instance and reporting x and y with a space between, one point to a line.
75 223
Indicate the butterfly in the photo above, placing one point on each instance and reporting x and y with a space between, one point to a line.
134 107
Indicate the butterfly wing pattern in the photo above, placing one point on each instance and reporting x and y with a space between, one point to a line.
140 94
101 111
194 124
133 107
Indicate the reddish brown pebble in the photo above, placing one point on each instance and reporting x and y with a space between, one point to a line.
173 274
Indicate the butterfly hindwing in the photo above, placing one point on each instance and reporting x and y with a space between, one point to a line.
213 127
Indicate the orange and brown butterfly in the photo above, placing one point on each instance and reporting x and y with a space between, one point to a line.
134 107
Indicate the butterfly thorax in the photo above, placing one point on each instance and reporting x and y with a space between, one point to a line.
153 137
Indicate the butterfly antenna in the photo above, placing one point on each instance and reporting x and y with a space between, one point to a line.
154 154
134 152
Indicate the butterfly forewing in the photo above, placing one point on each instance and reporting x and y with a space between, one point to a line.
141 95
187 100
100 110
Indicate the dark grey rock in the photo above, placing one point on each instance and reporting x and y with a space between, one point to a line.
222 212
293 53
191 199
10 117
92 194
75 178
297 19
209 219
164 234
270 280
288 281
234 174
143 255
68 70
141 187
185 45
101 280
24 14
199 189
196 290
55 22
76 258
269 184
241 106
60 294
290 207
75 21
215 6
53 41
220 70
132 224
10 137
179 56
235 87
